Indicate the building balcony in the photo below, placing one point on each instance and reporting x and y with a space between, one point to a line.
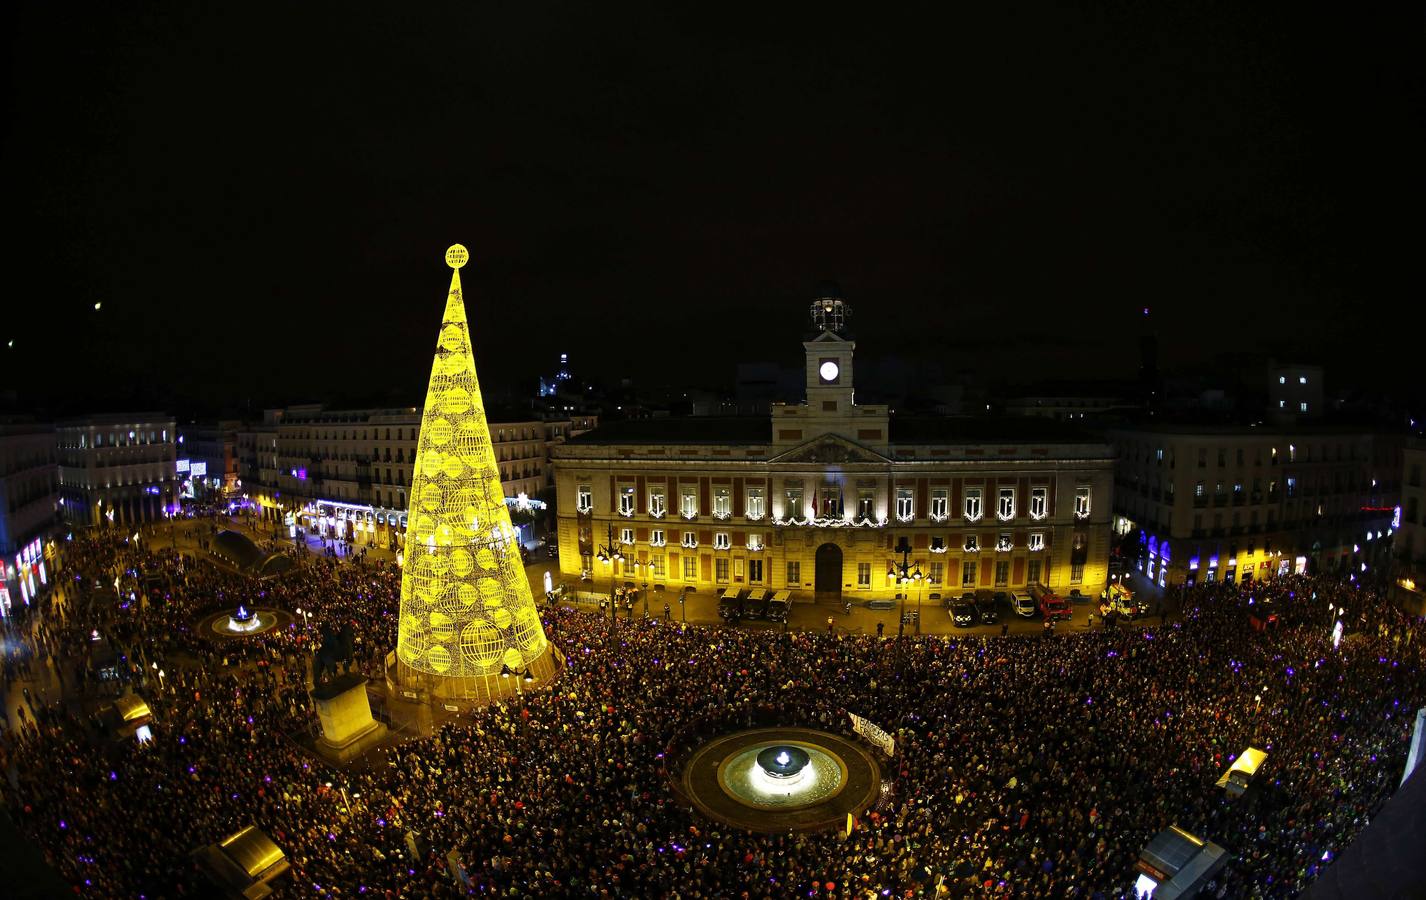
1200 501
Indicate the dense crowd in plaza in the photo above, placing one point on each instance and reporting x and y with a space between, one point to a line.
1026 766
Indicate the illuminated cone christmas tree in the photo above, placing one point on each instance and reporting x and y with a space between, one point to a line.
466 609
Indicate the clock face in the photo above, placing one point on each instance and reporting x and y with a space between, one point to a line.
828 371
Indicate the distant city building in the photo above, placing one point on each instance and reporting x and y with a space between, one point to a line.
817 496
208 459
1295 393
551 386
1072 402
1410 538
1236 503
29 500
118 469
347 473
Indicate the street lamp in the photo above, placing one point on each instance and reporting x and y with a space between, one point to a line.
903 574
609 554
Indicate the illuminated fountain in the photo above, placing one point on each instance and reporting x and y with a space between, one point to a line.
244 620
785 766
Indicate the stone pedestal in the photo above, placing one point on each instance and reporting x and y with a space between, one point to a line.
348 730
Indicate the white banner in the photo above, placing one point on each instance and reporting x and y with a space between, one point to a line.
873 733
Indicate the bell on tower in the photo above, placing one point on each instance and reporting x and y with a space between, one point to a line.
829 311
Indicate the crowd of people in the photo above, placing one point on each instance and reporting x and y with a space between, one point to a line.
1025 766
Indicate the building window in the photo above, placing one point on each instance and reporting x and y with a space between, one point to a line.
720 569
1037 540
1292 453
938 573
794 574
688 502
626 535
656 538
905 505
756 504
1004 543
656 563
1005 505
794 503
626 500
755 541
1039 502
690 539
972 544
940 504
1282 379
690 567
658 503
584 499
1081 502
832 501
1303 406
722 540
1159 454
1032 571
1002 574
722 503
938 545
863 576
1302 379
968 575
866 503
755 571
1202 457
1292 486
1076 573
973 510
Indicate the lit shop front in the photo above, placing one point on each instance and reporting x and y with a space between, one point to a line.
355 523
24 576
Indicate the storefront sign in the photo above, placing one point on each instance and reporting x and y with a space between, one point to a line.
873 733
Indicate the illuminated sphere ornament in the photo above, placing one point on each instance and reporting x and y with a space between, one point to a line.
466 607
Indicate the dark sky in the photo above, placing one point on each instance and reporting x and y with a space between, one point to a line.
260 197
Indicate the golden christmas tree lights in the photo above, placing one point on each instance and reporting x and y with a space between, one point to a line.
467 613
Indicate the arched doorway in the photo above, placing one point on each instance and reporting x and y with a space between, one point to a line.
829 572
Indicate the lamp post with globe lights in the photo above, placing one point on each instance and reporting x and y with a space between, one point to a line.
903 574
610 554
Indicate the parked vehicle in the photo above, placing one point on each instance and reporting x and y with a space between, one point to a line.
986 610
963 614
1050 604
1025 606
730 605
755 607
778 606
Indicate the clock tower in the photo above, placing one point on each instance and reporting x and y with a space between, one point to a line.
829 353
830 408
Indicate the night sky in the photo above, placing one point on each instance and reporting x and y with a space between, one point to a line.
260 198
